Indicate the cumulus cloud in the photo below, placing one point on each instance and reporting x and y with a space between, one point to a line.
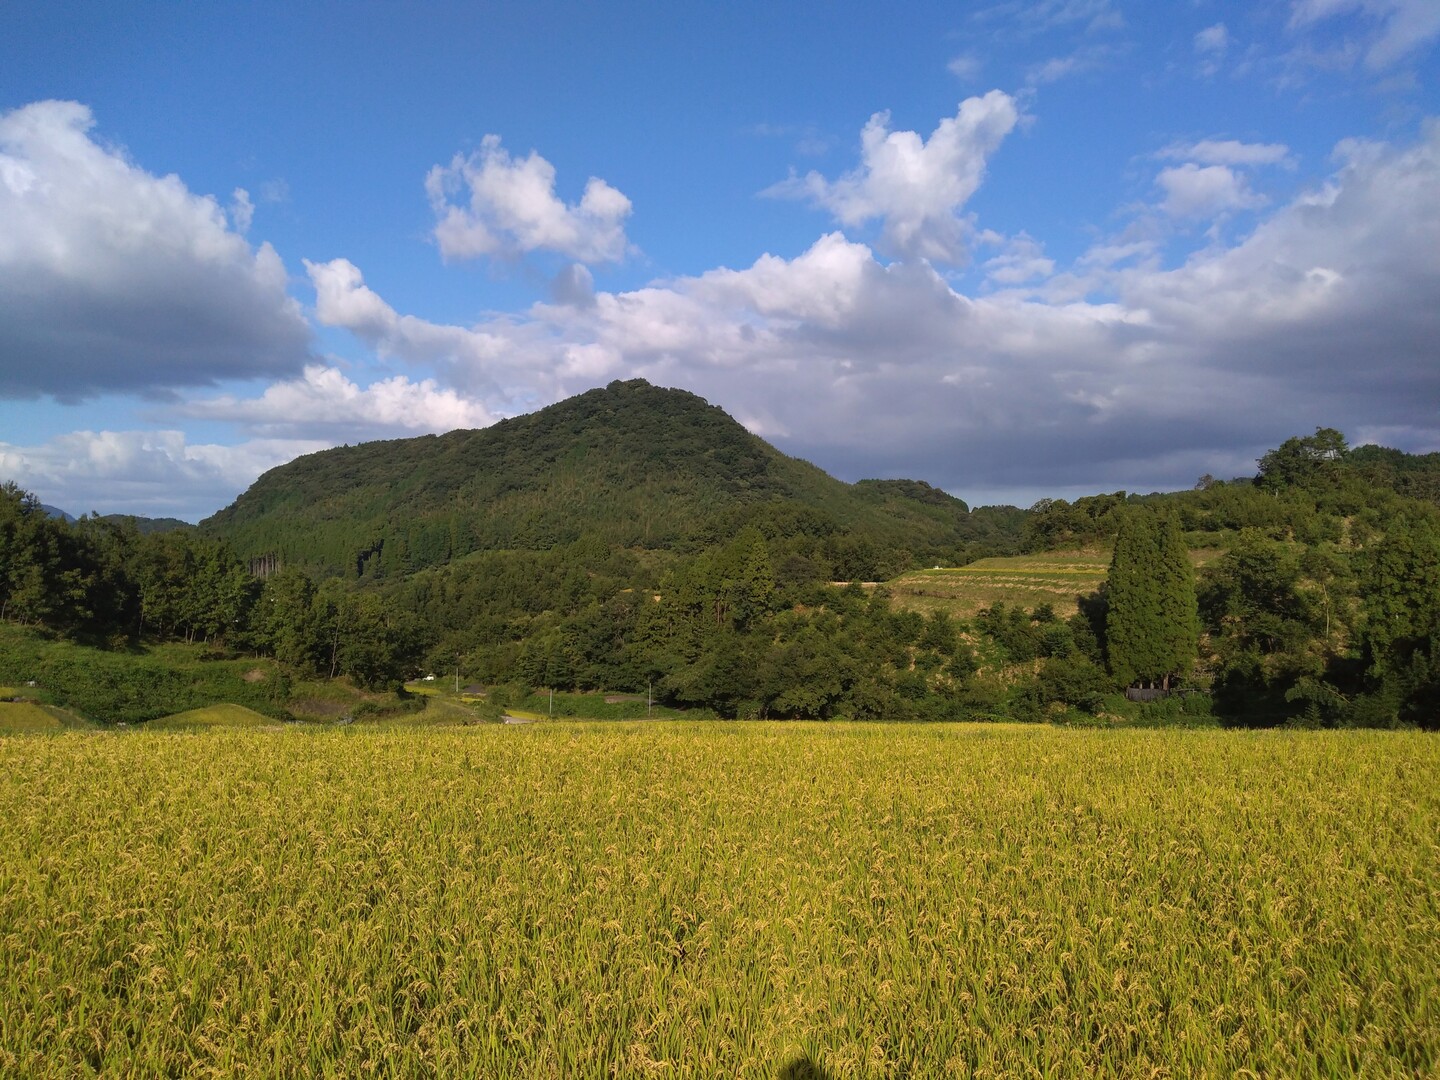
492 363
112 278
1391 29
1335 289
323 403
512 209
150 473
1203 191
915 186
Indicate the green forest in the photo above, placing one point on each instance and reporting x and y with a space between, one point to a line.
639 540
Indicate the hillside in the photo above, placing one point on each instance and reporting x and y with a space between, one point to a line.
632 465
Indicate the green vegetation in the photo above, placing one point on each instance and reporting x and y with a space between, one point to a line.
131 687
720 900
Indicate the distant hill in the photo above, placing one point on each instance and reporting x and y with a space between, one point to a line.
632 465
147 525
139 524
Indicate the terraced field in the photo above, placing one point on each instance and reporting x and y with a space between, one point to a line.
1058 578
702 900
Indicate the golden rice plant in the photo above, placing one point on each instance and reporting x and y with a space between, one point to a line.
720 900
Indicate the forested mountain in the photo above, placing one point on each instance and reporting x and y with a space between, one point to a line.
631 466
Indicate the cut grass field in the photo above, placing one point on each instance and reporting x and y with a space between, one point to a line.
700 900
1057 578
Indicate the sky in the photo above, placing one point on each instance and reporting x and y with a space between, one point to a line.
1017 250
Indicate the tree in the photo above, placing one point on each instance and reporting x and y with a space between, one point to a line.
1152 624
1302 460
376 645
1402 626
290 623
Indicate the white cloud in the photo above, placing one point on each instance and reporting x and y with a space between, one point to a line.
493 363
1357 260
242 210
1229 152
275 191
112 278
151 473
966 66
1089 58
1393 29
1203 191
1022 260
1211 45
1213 39
1027 18
323 403
915 186
513 209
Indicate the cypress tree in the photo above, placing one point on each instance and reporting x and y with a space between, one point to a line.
1180 611
1152 626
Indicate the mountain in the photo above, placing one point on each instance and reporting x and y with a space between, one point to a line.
633 465
139 524
146 525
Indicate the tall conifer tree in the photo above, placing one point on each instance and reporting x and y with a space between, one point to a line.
1152 626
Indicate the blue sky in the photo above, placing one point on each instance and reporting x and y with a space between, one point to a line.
1014 249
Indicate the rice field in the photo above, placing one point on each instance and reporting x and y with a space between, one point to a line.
700 900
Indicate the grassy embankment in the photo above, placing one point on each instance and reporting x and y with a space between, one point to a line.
723 899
